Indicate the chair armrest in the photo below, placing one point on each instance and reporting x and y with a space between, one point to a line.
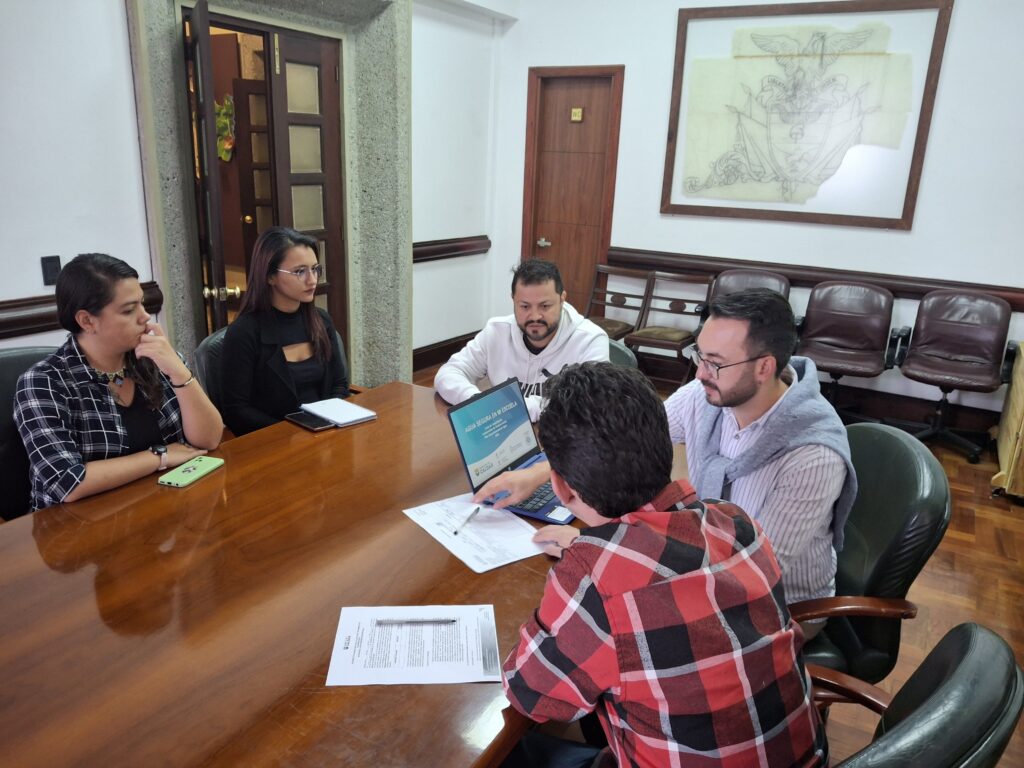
1006 372
356 390
832 686
853 605
515 727
800 325
904 344
892 347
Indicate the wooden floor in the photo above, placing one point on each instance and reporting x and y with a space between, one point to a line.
976 574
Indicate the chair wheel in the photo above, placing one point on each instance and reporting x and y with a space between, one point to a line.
973 458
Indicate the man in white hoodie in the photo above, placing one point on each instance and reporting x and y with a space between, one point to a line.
542 336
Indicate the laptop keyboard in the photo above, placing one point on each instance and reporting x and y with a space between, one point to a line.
543 495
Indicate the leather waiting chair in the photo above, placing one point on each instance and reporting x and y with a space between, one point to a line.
736 280
900 515
959 708
601 297
958 343
846 333
15 484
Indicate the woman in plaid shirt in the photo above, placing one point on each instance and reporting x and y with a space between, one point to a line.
115 402
666 615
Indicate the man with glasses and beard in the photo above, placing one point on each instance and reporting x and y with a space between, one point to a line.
543 335
758 433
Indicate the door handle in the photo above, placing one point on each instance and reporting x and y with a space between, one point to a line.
247 219
543 243
222 294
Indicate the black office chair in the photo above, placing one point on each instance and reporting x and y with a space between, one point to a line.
959 342
207 366
958 709
900 515
846 333
15 484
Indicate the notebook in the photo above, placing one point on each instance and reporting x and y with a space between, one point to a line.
494 434
341 412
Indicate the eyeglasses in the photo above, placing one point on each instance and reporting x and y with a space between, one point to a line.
303 272
692 353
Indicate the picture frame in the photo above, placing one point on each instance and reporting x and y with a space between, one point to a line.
809 112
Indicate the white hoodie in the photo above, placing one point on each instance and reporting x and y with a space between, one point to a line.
498 352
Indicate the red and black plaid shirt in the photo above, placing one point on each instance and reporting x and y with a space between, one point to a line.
673 626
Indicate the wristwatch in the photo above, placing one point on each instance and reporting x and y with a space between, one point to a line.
159 449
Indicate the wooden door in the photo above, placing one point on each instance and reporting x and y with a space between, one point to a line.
572 137
207 178
305 86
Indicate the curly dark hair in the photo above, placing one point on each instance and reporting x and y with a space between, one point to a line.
605 432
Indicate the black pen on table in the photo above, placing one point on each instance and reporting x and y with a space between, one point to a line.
466 521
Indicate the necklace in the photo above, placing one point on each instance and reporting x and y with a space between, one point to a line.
114 377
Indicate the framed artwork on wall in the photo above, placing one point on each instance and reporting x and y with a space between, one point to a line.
813 112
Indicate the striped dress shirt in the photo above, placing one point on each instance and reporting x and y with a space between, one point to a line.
791 497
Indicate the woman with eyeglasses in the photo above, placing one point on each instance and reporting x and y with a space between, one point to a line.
282 350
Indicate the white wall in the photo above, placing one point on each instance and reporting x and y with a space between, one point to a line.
967 225
72 178
454 59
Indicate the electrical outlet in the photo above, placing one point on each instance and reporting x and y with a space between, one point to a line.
51 268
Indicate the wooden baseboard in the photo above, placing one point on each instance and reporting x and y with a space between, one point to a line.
439 351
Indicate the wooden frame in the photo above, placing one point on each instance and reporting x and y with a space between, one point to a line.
810 112
616 74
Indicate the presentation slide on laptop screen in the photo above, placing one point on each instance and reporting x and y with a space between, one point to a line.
493 432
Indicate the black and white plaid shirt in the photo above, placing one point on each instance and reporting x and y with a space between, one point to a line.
66 417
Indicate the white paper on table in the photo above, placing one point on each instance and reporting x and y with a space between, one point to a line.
492 538
387 645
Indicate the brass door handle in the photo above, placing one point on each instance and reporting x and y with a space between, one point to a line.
222 294
247 219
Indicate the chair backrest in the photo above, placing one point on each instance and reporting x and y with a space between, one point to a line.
15 484
207 365
900 515
846 327
619 299
959 708
965 327
658 298
735 280
620 354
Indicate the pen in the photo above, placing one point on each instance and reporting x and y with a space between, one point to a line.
416 621
466 521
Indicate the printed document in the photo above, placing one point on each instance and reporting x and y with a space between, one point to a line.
415 644
480 536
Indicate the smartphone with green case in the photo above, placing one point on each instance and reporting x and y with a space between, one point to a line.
190 471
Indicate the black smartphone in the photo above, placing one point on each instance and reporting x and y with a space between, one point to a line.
310 421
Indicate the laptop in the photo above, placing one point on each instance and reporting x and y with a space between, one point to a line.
494 434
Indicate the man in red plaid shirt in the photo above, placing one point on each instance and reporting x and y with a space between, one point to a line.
666 615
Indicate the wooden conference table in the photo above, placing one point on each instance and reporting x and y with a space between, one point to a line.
159 626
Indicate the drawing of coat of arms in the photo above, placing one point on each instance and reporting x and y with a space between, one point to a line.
793 127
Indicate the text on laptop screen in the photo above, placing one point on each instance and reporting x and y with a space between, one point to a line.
494 432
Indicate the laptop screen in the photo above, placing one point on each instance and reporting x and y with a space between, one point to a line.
493 432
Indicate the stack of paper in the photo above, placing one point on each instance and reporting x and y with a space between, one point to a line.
341 412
